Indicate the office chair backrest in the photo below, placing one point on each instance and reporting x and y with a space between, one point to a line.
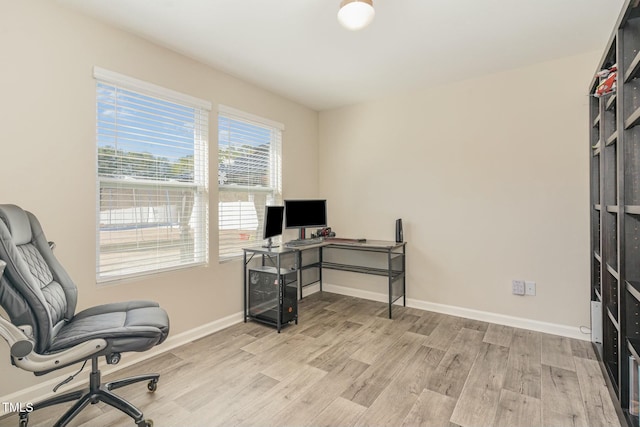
35 290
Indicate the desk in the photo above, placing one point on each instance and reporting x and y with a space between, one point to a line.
311 260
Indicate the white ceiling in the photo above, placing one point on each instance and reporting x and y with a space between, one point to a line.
296 48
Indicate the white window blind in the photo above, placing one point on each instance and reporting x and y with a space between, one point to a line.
152 178
249 177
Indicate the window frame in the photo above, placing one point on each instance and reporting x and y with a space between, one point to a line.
271 192
198 186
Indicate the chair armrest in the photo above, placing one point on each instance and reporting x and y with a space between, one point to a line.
22 347
19 342
35 362
25 358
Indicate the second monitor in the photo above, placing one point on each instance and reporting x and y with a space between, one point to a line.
304 213
272 224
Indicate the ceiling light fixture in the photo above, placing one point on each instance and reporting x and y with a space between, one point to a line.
356 14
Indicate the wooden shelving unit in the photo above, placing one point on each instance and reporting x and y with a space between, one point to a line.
614 144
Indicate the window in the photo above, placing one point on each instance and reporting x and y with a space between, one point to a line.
249 177
152 178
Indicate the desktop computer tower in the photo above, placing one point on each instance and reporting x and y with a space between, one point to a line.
264 295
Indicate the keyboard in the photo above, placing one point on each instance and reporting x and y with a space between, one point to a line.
304 242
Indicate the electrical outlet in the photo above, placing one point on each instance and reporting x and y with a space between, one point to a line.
517 287
530 288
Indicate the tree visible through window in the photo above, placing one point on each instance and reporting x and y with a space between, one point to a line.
249 177
152 178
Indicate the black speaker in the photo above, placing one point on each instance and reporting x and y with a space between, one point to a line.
399 236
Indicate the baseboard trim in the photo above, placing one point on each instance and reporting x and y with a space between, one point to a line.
485 316
43 390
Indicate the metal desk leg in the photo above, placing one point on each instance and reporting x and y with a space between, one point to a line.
298 266
390 274
244 285
320 251
280 280
404 275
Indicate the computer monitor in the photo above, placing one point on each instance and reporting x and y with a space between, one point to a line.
273 216
305 213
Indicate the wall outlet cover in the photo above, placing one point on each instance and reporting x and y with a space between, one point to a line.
517 287
530 288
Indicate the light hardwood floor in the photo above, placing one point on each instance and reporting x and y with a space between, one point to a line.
346 364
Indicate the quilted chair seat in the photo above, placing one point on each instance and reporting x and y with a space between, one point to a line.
127 326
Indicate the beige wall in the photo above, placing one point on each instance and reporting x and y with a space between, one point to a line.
490 176
47 141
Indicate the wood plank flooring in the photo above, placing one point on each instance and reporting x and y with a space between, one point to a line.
347 364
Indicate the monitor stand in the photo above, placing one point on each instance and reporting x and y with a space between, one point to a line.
270 244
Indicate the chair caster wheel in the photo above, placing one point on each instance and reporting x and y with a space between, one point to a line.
146 423
152 386
24 419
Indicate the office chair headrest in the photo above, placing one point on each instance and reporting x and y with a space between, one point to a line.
17 222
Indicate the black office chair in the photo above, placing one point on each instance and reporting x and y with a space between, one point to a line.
46 334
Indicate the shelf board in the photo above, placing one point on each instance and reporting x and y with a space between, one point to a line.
304 285
596 152
361 269
612 208
633 119
272 270
612 139
613 272
634 289
612 371
597 206
613 319
596 121
634 67
597 256
598 295
611 102
312 265
632 209
633 344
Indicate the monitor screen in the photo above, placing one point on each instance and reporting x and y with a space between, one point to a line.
305 213
273 216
